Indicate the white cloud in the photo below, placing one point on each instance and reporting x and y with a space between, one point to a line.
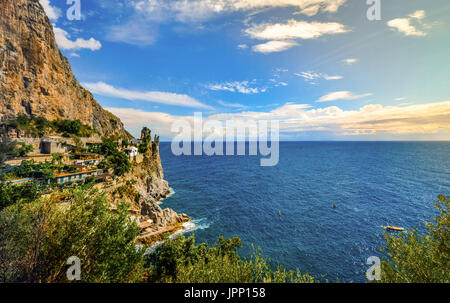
202 10
274 46
350 61
400 99
62 38
137 31
404 26
143 25
234 105
295 30
342 95
282 36
370 120
149 96
418 14
326 77
236 86
242 46
53 13
159 122
311 77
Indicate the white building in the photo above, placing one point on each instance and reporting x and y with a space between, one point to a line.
133 152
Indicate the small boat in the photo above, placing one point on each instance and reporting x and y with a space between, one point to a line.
395 228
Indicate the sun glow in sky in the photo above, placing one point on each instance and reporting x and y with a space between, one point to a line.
319 66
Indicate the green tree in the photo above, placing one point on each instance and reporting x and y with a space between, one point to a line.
121 163
23 149
109 147
114 158
41 124
146 137
414 257
13 194
7 147
36 240
181 261
125 143
23 120
30 169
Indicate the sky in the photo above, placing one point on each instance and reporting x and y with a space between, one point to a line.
320 67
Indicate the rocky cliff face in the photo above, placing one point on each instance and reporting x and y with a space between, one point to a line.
143 187
35 78
152 187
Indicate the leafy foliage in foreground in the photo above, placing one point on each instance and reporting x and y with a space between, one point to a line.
36 239
417 258
39 234
181 261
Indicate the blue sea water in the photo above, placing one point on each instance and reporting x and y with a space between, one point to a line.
373 184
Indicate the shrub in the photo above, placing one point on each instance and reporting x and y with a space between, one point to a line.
181 261
7 147
23 149
37 239
414 257
15 194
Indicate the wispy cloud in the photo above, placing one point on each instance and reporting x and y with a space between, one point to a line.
326 77
312 77
342 95
137 31
202 10
53 13
350 61
294 29
282 36
104 89
404 25
274 46
64 42
243 87
142 27
420 14
233 105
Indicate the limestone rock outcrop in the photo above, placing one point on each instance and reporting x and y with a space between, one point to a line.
35 78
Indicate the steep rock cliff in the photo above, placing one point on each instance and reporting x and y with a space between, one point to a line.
144 186
35 78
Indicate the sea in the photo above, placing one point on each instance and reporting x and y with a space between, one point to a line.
287 210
